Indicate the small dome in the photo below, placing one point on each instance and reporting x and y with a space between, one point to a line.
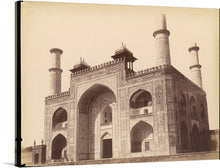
123 52
80 66
81 63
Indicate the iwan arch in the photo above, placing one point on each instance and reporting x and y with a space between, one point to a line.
111 111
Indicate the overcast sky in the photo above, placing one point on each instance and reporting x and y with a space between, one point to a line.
94 32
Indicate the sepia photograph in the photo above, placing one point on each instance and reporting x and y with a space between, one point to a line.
104 84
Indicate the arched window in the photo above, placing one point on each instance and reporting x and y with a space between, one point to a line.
59 119
141 135
141 101
193 108
194 113
182 104
182 101
106 116
58 144
184 137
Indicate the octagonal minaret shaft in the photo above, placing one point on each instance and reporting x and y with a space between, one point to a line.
161 36
55 71
195 67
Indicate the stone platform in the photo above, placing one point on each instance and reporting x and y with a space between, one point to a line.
177 157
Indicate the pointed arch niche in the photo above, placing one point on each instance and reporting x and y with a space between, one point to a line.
141 102
59 120
141 137
106 115
58 144
193 108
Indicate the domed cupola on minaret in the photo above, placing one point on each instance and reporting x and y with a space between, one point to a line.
124 53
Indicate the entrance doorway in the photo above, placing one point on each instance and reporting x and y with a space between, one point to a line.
107 148
36 158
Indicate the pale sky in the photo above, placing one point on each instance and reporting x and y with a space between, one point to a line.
94 32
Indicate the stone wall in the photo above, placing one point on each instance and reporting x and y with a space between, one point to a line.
84 132
154 82
184 91
161 120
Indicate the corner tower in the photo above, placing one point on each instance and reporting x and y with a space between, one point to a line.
161 36
55 71
195 67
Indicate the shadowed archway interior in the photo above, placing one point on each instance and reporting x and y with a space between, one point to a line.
58 143
141 98
59 118
94 111
140 133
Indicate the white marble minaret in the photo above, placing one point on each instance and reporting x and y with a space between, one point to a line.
161 36
55 71
195 67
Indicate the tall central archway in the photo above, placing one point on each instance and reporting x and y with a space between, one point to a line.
93 102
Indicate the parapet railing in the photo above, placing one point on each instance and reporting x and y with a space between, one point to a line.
62 94
141 115
148 70
59 126
97 66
